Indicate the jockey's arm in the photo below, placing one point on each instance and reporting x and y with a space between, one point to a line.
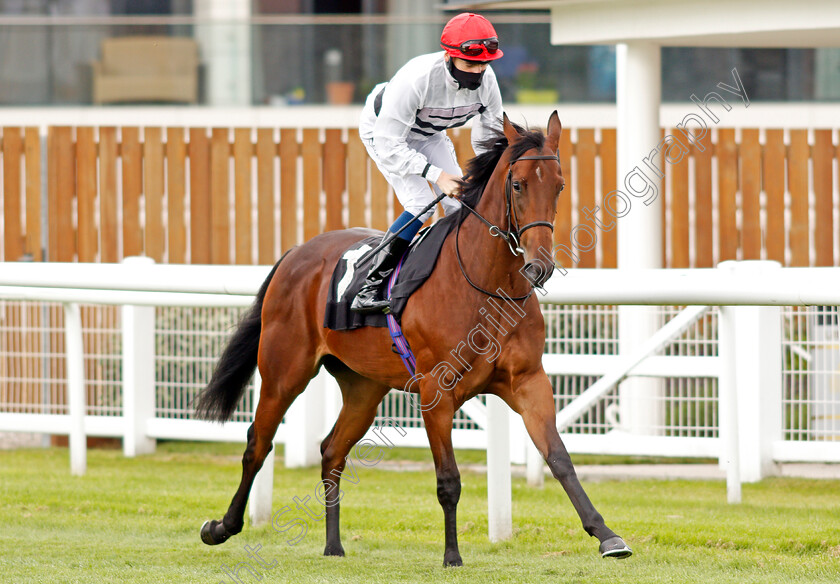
400 103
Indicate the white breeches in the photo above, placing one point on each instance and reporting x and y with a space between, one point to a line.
413 191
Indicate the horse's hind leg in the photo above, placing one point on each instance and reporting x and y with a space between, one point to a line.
284 377
533 400
361 396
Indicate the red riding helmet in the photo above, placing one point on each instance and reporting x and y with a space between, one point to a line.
471 37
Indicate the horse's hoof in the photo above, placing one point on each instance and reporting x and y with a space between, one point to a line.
615 547
452 560
334 550
207 533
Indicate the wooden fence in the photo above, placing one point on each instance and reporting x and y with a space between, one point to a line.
246 195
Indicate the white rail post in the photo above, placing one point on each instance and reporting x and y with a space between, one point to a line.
498 470
77 440
225 38
259 504
305 424
638 88
758 377
138 354
728 404
519 440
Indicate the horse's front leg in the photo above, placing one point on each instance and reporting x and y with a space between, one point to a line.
533 399
438 421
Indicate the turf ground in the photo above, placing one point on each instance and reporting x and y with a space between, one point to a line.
137 520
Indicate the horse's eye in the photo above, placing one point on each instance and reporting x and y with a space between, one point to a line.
517 187
562 186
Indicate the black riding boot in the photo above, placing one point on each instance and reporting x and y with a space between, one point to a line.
367 301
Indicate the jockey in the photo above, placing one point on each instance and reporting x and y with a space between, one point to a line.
403 127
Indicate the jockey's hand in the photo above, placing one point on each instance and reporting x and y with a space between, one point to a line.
448 184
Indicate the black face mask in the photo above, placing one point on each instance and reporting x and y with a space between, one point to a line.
465 79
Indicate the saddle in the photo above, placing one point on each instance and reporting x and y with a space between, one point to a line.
416 266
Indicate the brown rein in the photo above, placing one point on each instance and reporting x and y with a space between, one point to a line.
512 235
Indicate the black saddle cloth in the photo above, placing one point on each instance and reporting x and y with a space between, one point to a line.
347 279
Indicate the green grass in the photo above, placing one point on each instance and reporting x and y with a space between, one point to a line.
136 520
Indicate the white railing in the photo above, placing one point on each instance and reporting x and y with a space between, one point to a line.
574 115
748 293
749 366
138 291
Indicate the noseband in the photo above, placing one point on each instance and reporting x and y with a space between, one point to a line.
513 233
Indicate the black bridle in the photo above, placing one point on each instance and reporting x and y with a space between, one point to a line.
512 233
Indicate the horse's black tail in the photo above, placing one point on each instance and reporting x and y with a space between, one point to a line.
236 365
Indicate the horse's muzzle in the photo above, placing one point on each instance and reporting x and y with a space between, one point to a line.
537 271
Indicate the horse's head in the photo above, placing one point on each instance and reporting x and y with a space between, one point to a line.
532 186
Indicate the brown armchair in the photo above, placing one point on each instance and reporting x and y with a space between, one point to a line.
139 68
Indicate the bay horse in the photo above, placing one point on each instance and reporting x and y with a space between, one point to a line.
517 182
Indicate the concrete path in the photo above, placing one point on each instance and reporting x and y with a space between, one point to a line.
626 472
696 471
13 440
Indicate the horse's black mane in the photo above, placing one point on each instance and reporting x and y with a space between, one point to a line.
480 168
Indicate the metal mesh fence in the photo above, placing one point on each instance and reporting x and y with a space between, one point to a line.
32 359
188 342
688 404
811 382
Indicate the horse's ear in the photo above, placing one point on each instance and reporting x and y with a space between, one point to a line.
510 132
554 129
